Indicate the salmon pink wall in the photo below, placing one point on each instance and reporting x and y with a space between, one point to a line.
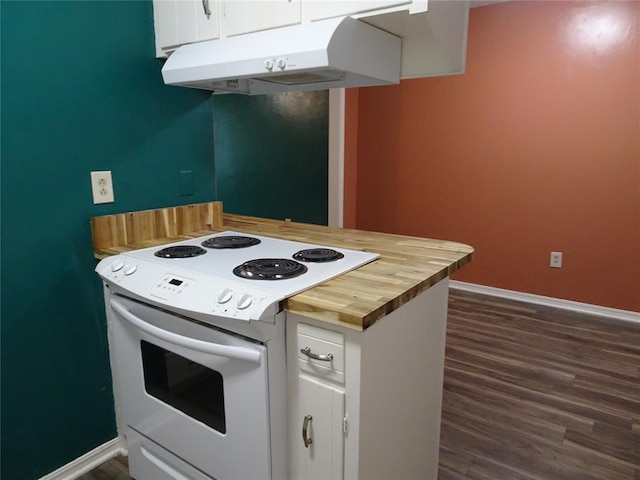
536 148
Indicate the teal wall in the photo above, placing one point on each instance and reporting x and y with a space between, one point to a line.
271 155
81 91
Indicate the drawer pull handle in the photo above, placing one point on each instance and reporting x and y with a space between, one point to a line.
305 426
323 358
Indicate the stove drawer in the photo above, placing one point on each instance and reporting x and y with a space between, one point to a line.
148 460
321 352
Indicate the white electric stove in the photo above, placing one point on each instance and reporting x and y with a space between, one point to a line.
198 351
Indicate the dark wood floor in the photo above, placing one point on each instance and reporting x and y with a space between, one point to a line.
115 469
530 393
538 393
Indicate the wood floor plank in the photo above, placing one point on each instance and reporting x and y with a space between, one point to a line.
487 469
621 444
520 406
546 396
455 461
522 451
539 347
495 413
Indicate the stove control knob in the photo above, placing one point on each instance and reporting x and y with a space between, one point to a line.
225 295
117 265
244 301
281 63
130 269
268 64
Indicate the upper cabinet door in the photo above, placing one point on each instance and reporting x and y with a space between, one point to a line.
184 21
320 9
206 17
244 16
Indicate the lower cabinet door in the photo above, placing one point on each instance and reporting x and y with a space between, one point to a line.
320 448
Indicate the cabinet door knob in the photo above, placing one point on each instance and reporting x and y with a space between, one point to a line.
323 358
305 426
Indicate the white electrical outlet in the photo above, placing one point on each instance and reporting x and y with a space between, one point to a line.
102 187
556 260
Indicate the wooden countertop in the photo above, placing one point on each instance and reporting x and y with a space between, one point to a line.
407 266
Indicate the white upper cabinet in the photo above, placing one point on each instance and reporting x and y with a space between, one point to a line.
433 32
321 9
178 22
245 16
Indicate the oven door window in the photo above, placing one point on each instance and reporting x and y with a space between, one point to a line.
187 386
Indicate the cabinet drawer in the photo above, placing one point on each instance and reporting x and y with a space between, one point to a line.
321 343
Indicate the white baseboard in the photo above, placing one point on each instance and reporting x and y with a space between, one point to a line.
87 462
625 315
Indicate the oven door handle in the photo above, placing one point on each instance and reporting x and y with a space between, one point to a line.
237 353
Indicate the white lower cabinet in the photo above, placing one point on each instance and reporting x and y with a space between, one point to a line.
317 416
372 398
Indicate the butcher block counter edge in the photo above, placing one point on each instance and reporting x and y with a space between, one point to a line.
407 266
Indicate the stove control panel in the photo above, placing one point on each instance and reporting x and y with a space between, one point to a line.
185 291
171 285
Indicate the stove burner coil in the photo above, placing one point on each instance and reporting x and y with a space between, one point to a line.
318 255
269 269
230 241
180 251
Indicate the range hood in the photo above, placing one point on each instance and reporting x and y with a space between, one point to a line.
335 53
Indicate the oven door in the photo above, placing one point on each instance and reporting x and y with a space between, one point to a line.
197 391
